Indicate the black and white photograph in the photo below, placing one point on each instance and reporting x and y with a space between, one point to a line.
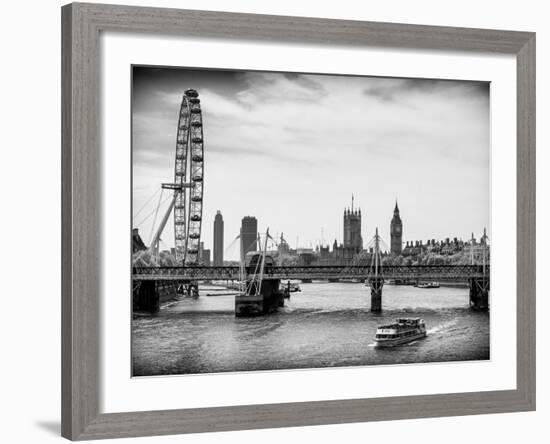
287 220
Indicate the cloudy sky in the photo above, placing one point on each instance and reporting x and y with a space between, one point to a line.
291 149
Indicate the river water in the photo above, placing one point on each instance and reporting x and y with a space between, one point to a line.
325 325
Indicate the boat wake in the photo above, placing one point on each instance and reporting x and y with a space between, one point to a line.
444 326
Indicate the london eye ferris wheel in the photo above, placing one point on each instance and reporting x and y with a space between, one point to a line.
188 184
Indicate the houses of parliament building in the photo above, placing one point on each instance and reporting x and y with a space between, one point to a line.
352 250
353 240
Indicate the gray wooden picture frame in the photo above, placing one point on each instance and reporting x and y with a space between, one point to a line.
81 174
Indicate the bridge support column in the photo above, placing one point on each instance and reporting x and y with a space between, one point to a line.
479 293
149 295
145 297
376 284
268 301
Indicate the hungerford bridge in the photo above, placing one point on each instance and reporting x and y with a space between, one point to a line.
315 272
476 275
261 279
260 282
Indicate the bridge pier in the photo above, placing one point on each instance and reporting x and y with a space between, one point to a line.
376 284
148 295
269 299
145 297
479 293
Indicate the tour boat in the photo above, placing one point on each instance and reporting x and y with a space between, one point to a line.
402 331
428 285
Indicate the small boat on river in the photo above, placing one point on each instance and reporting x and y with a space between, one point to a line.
290 287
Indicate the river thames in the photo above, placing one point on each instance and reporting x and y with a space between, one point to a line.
325 325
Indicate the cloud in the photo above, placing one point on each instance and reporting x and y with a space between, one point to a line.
400 90
272 88
296 117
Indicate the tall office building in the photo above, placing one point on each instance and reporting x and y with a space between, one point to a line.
249 234
204 255
396 232
218 240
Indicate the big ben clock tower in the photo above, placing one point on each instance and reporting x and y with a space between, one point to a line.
396 232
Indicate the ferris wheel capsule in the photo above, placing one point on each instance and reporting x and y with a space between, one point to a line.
191 93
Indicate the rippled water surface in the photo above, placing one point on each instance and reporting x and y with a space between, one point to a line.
327 324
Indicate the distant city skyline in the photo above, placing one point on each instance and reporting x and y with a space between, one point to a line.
291 149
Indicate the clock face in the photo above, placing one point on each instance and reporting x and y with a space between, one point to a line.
398 230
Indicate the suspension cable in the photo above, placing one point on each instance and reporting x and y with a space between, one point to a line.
147 202
152 212
155 218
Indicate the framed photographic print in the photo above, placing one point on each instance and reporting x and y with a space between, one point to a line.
288 219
